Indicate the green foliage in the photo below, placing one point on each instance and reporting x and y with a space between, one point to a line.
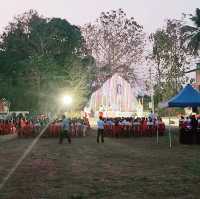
38 58
172 112
193 34
169 55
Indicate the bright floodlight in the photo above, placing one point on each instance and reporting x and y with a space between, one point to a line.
67 100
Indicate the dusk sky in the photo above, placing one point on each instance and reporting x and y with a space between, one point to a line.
149 13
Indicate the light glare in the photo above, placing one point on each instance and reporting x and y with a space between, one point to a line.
67 100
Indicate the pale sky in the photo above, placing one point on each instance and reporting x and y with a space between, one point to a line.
149 13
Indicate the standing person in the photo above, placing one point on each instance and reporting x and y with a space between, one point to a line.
84 127
100 131
152 116
64 130
194 124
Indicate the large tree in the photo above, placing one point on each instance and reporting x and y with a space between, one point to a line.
116 42
36 54
31 35
170 57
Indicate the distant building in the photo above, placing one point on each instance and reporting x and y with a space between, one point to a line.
4 106
197 83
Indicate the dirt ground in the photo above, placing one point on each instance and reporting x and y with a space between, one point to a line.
135 168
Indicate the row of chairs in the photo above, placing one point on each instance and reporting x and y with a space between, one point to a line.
26 129
30 130
7 128
54 130
134 130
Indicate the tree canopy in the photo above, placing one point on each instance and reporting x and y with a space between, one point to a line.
41 58
36 55
116 42
170 57
193 33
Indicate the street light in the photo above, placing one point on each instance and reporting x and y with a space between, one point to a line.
66 101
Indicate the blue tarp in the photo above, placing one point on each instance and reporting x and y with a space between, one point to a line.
187 97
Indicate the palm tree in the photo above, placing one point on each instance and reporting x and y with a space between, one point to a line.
193 33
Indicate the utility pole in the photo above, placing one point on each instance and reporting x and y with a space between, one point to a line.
151 90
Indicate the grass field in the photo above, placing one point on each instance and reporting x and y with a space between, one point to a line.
135 168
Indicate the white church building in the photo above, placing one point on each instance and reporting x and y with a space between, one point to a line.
115 98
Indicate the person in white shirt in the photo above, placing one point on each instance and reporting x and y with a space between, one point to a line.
124 122
152 116
100 130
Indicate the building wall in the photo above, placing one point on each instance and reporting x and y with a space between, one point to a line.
197 83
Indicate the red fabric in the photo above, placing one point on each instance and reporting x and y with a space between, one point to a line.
116 130
144 128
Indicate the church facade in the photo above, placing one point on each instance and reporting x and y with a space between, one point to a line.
115 97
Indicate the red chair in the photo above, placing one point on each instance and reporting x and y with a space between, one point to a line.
116 130
150 129
161 128
144 128
55 130
25 130
1 128
7 128
107 130
137 129
13 129
50 130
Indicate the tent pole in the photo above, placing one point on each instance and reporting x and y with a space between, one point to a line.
157 133
170 138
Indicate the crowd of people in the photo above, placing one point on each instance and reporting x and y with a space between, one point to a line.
30 126
77 127
23 125
27 126
130 126
7 127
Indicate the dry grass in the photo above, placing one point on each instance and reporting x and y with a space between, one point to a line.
119 168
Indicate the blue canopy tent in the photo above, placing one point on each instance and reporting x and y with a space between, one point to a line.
187 97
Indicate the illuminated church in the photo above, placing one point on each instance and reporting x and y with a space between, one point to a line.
114 98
